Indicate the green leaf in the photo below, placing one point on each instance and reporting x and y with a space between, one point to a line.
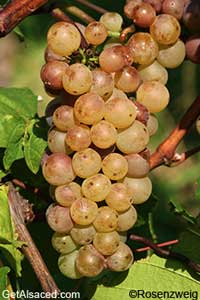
180 210
8 240
3 281
19 33
150 274
14 150
2 174
198 190
34 149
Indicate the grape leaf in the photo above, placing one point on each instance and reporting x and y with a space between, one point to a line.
3 281
19 33
14 150
180 210
150 274
198 190
8 240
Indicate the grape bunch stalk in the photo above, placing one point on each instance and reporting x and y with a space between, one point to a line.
101 121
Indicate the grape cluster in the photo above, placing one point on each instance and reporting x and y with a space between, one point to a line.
100 125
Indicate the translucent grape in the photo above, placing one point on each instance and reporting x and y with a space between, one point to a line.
89 108
49 55
193 49
63 243
57 169
137 166
52 73
129 7
63 38
115 166
112 21
83 211
78 137
128 79
115 58
140 188
63 117
119 197
56 142
154 95
172 56
143 48
173 7
66 194
77 79
117 93
103 134
165 29
67 265
106 242
126 219
134 139
143 15
154 71
89 261
83 235
152 125
96 33
96 187
121 260
59 219
102 84
120 112
106 219
86 163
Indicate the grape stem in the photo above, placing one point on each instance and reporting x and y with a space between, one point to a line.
92 6
20 210
166 154
166 253
79 13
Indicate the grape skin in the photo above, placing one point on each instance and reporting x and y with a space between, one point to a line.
106 219
106 242
152 72
138 167
83 211
67 265
112 21
103 134
102 83
63 243
96 33
119 197
83 235
114 166
127 219
152 125
78 137
65 195
59 219
56 142
143 15
140 189
63 117
127 79
96 187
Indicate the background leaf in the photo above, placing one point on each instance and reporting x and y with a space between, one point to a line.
3 280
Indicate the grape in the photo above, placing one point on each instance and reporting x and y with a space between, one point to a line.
117 93
121 260
59 219
83 211
123 236
119 197
106 219
106 242
115 166
51 56
143 15
89 108
142 113
67 265
89 261
193 49
86 163
126 219
63 243
143 48
57 169
154 95
198 125
128 79
63 38
154 71
103 134
63 117
137 166
96 33
112 21
52 73
173 7
56 142
172 56
83 235
165 29
120 112
66 194
140 188
115 58
129 7
152 125
134 139
191 15
96 187
78 137
77 79
157 4
102 84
